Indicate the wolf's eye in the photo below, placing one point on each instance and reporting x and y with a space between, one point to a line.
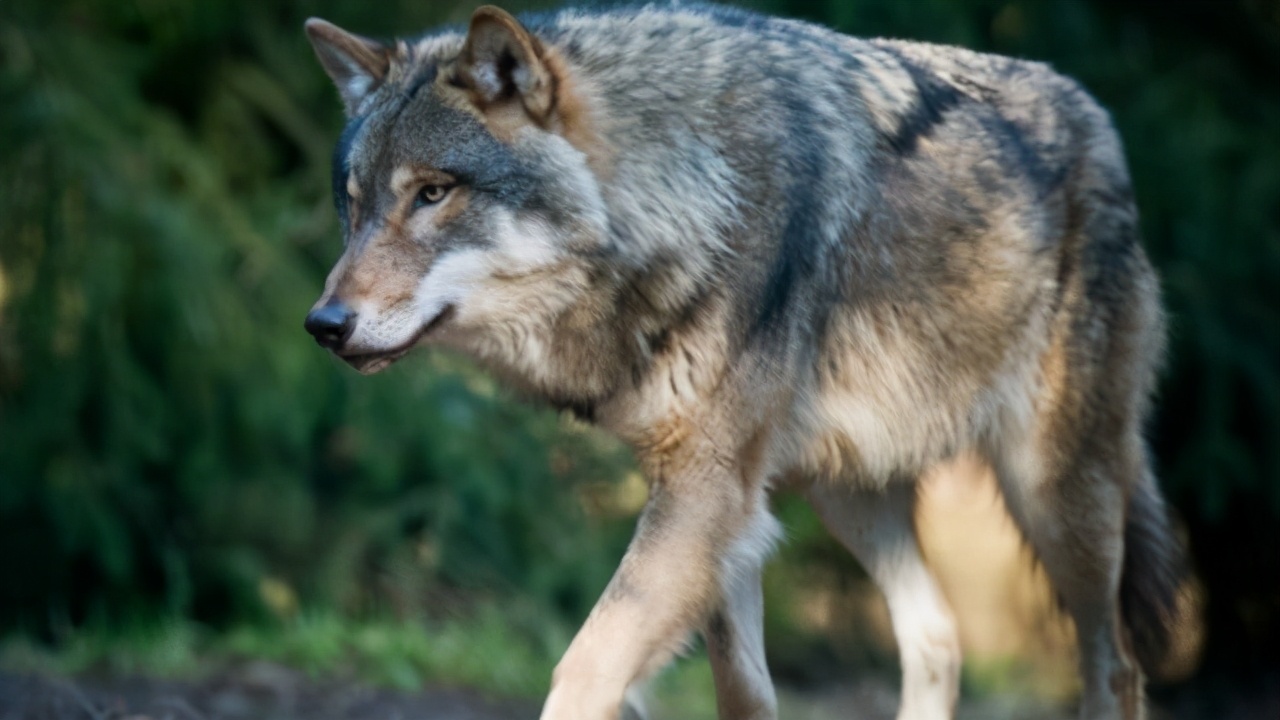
430 195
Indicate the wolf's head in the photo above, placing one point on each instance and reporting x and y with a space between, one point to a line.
466 200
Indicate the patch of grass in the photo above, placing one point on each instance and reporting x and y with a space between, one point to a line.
166 649
499 651
685 689
491 651
1014 677
482 651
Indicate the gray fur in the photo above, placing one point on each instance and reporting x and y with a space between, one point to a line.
766 255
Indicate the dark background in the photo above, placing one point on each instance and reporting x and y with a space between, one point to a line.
172 445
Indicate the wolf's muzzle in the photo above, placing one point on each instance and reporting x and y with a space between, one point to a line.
331 324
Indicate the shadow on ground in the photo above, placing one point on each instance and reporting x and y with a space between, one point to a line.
258 691
264 691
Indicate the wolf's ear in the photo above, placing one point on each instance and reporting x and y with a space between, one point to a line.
357 65
501 61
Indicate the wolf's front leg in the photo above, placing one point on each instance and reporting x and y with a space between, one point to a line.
672 577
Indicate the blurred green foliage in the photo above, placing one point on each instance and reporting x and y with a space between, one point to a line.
171 439
172 443
478 651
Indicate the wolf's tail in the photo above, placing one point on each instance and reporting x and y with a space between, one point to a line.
1154 570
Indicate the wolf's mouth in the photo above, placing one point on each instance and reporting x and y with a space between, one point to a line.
368 363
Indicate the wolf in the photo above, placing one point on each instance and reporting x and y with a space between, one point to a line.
770 256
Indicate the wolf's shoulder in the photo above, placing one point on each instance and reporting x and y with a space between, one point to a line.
992 78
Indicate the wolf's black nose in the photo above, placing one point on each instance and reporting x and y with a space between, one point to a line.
331 324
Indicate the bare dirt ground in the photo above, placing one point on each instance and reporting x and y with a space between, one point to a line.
262 691
258 691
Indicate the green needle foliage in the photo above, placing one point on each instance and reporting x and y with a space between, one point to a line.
170 438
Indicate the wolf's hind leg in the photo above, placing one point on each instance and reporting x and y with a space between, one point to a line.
877 527
1072 511
735 630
